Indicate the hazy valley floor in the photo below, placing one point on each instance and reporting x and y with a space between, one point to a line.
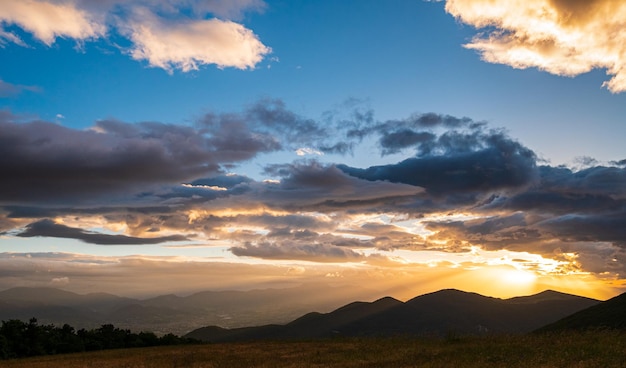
589 349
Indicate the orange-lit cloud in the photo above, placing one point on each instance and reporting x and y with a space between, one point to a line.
468 200
47 20
186 45
563 37
158 31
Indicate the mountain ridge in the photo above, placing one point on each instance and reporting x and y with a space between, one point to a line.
235 313
609 314
432 314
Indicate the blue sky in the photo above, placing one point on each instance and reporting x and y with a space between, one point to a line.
221 96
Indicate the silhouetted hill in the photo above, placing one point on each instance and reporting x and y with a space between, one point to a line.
544 296
610 314
434 314
315 325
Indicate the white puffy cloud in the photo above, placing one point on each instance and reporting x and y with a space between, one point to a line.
562 37
167 34
185 45
47 20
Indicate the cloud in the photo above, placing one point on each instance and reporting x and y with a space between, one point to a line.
49 228
307 252
48 20
403 138
43 161
187 44
562 37
274 116
311 185
9 90
182 35
460 187
60 281
471 163
564 214
560 191
581 227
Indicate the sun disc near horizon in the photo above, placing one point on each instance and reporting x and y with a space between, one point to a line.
518 277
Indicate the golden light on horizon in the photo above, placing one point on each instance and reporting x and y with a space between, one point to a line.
519 277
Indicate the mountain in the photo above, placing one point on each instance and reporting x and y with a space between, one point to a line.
433 314
55 306
230 311
610 314
171 313
98 302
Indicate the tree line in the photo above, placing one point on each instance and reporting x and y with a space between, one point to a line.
19 339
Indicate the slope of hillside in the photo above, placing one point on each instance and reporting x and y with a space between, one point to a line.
610 314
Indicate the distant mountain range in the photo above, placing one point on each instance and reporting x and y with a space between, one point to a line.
171 313
435 314
286 313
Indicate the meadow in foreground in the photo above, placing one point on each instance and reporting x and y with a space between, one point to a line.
570 349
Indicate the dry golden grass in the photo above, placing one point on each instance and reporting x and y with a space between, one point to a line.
592 349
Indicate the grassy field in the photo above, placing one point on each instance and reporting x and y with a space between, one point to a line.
590 349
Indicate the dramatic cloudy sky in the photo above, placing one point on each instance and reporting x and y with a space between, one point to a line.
403 146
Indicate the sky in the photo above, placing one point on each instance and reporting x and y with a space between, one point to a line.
157 146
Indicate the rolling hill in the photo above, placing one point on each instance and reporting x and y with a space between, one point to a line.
610 314
434 314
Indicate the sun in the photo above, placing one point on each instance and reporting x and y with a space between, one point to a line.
518 277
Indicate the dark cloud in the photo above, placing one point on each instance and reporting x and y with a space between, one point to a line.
502 164
338 148
49 228
153 179
562 191
609 227
394 142
309 252
291 221
10 90
365 125
419 131
313 186
270 121
42 161
30 212
273 115
231 139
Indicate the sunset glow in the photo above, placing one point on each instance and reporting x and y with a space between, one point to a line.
403 147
